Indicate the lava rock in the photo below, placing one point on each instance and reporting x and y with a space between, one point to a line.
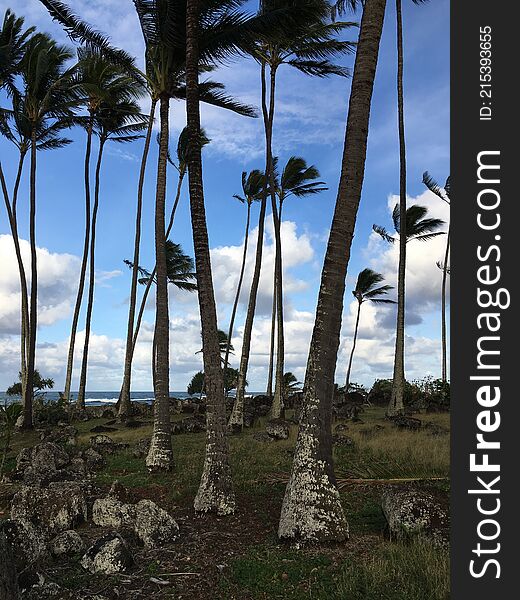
111 512
57 508
417 513
141 448
154 526
410 423
66 544
277 429
26 541
8 577
108 555
93 459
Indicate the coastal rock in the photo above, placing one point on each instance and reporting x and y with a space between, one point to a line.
277 429
41 464
27 542
342 440
65 434
49 591
417 513
8 577
93 459
57 508
103 444
195 424
111 512
66 544
154 526
109 555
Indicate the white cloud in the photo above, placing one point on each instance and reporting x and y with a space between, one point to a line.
57 284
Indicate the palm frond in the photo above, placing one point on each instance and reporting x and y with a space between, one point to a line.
380 230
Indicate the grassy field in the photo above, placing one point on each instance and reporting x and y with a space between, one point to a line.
239 557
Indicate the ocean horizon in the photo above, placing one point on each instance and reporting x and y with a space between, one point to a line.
110 397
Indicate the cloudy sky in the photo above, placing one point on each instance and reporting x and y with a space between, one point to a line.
310 122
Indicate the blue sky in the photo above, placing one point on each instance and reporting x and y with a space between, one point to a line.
310 122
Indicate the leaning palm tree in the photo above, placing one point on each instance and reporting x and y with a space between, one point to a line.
307 46
100 81
311 509
119 120
47 97
299 180
444 195
418 226
367 289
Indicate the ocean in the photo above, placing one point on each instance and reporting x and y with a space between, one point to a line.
100 398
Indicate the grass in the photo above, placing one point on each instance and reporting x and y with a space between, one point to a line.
368 567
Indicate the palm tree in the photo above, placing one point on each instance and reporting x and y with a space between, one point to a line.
181 166
47 98
398 381
13 44
444 195
101 82
120 121
290 384
252 187
297 180
215 493
367 289
311 509
181 274
307 46
417 227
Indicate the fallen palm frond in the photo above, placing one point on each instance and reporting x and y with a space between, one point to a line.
344 482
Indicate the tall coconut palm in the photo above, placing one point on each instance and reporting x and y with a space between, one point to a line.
418 226
100 81
398 381
118 120
367 289
252 188
15 127
48 98
311 509
444 195
299 180
215 493
307 46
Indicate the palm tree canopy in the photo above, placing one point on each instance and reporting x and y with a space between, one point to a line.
252 187
120 121
298 179
183 147
290 382
433 186
13 42
180 268
47 92
310 43
418 225
367 287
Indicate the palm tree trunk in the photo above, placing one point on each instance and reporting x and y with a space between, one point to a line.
236 420
160 455
239 288
347 383
273 329
33 306
83 270
311 509
80 403
215 493
396 405
269 391
149 283
443 316
125 405
24 315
